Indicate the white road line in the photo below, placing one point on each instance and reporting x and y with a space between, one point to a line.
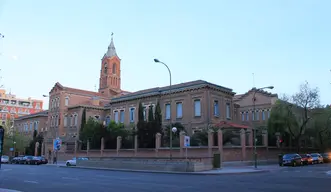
34 182
328 173
70 178
5 169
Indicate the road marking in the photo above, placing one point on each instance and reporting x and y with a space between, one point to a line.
6 169
328 173
34 182
70 178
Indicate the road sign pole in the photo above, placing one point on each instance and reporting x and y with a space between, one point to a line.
2 132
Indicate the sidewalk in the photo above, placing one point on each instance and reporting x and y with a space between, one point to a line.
225 170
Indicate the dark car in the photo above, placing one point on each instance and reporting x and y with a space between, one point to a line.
307 159
16 160
26 160
44 160
36 161
326 157
292 159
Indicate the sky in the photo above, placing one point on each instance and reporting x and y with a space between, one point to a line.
284 43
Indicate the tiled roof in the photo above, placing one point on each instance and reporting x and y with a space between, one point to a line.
39 114
166 90
266 93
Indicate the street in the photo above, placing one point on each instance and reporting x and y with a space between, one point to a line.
51 178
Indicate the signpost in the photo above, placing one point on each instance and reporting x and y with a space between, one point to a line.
2 133
186 144
57 146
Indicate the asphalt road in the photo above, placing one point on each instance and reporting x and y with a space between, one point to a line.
50 178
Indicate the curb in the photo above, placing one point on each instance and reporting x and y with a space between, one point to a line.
169 172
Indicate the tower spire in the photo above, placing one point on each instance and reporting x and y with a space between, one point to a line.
111 48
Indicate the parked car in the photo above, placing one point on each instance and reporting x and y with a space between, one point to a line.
292 159
72 162
44 160
16 160
317 158
26 160
307 159
326 157
36 161
4 159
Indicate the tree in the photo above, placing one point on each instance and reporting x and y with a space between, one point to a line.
150 115
292 114
82 124
158 118
93 132
175 136
321 128
115 130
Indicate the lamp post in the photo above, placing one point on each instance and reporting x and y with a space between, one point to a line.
254 115
170 90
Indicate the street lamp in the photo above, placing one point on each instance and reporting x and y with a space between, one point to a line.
170 90
254 115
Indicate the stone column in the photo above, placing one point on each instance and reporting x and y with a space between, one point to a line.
102 146
36 149
250 137
76 147
220 143
118 144
42 149
265 138
135 145
157 143
88 148
277 134
243 143
210 142
181 143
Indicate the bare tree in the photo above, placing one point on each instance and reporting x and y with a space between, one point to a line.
298 110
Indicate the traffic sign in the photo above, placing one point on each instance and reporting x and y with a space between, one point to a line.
57 144
186 141
11 149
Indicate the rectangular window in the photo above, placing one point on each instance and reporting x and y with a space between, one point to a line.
268 114
197 108
228 111
167 112
122 116
66 101
65 121
242 116
257 115
216 109
253 116
132 115
263 115
145 112
247 116
107 121
179 110
31 126
116 116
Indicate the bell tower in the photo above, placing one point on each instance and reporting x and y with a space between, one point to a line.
110 73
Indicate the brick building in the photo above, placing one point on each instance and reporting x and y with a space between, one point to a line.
196 104
264 101
12 107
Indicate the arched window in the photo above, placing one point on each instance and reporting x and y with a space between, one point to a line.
114 68
105 68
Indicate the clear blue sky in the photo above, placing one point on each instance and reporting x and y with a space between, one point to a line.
284 43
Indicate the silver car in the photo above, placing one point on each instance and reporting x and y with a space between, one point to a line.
4 159
317 158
